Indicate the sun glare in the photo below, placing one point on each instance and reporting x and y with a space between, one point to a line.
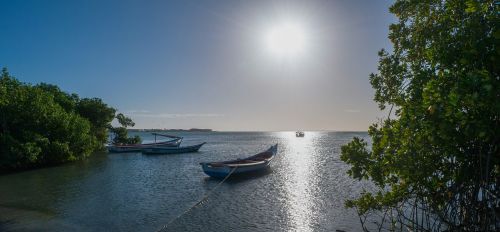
286 39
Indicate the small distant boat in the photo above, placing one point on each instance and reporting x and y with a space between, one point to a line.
299 134
171 150
248 165
120 148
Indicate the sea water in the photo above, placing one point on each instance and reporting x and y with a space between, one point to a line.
305 189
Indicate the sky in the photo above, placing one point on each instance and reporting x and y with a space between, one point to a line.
206 64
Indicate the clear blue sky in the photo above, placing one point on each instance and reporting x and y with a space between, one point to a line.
204 63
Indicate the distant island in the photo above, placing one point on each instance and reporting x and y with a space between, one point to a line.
171 130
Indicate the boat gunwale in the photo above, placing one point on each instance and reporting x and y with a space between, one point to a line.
239 164
175 150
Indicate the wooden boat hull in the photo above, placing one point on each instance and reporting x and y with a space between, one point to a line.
140 147
171 150
222 172
239 167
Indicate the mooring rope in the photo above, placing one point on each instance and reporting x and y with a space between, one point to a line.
205 197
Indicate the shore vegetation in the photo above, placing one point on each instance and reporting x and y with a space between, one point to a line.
41 125
436 157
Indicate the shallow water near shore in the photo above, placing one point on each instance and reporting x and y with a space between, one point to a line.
304 190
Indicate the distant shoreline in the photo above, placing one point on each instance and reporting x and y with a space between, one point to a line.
171 130
211 130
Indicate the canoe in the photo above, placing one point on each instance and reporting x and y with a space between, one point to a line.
171 150
248 165
118 148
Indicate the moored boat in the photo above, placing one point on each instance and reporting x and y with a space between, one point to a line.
171 150
119 148
248 165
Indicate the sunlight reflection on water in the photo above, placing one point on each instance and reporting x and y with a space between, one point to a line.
300 160
305 189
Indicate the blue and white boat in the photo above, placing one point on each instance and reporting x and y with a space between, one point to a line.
171 150
248 165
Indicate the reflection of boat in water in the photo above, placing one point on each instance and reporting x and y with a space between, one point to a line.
252 164
299 134
172 150
118 148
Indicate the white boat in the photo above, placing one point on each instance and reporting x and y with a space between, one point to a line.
120 148
299 134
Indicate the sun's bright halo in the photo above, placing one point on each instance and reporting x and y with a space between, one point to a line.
286 39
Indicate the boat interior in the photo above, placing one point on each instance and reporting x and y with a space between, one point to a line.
253 159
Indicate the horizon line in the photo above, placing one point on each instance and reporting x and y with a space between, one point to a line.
213 130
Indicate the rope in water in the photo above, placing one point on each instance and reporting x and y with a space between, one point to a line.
205 197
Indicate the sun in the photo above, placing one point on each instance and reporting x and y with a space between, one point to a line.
286 39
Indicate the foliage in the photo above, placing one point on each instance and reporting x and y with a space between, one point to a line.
121 133
42 125
435 159
124 120
99 115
